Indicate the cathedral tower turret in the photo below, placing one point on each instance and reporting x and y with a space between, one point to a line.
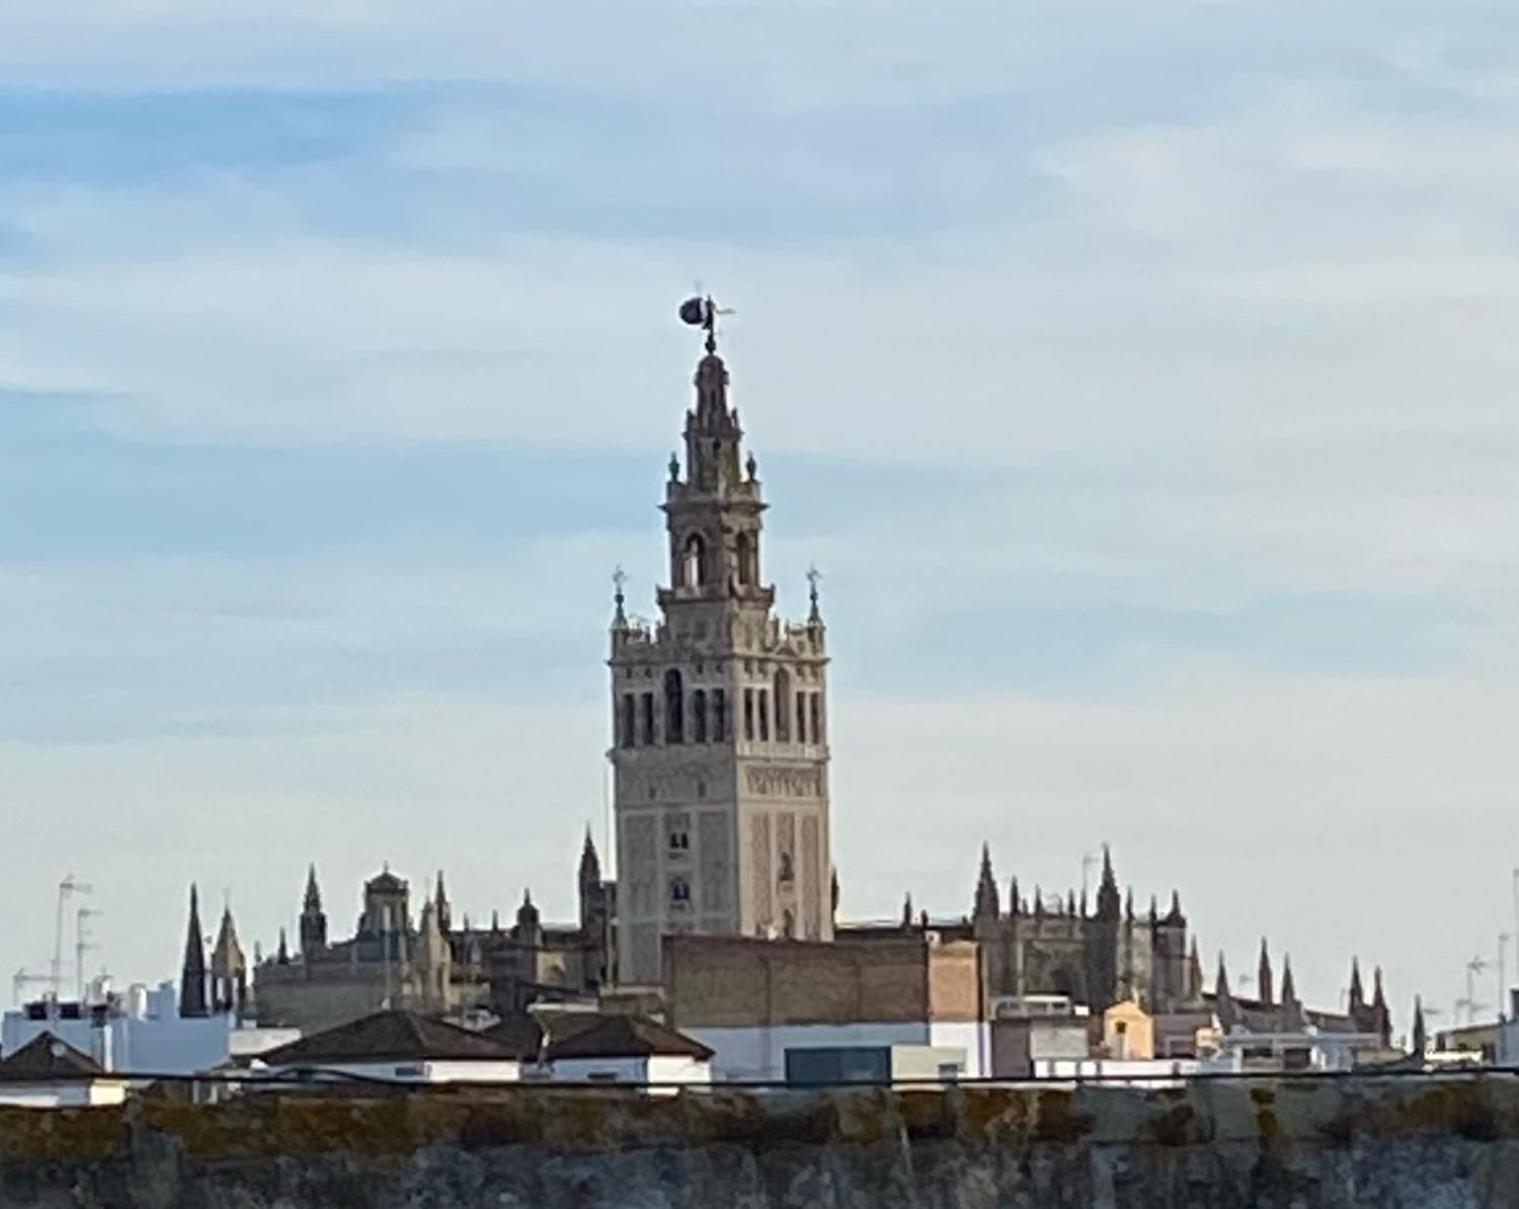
313 919
192 977
720 756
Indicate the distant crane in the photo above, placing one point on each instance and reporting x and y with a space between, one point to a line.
67 888
22 979
1473 967
83 943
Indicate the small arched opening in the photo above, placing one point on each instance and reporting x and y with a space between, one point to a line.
675 707
699 716
694 562
782 706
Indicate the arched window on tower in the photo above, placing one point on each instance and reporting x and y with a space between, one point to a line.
699 716
743 550
782 706
694 562
629 721
801 717
719 716
815 702
675 708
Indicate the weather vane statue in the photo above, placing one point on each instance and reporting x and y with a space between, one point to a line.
702 312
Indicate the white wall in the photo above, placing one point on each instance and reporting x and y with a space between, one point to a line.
600 1070
468 1071
1148 1072
83 1093
972 1036
760 1053
661 1068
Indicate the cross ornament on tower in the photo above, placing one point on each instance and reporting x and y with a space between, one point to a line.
619 577
813 575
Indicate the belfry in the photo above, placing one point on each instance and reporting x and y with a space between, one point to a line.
719 753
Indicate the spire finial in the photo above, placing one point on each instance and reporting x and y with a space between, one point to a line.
813 575
700 311
619 579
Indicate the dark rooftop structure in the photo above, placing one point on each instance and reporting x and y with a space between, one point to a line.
46 1059
625 1037
389 1036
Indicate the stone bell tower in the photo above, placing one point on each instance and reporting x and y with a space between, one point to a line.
719 713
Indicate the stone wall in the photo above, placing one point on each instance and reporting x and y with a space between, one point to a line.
1402 1144
738 982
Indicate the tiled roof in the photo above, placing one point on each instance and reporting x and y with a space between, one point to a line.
46 1058
624 1037
388 1036
521 1034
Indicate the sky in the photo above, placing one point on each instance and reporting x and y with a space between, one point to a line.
1140 377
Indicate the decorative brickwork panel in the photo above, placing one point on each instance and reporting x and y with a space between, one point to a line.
641 860
812 891
716 868
759 840
645 951
770 782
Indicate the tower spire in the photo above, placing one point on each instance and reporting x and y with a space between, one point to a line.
1223 998
988 901
1292 1008
619 617
444 911
1107 890
1264 982
313 922
1420 1036
1357 991
192 978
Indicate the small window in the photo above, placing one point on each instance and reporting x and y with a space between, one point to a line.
801 717
680 841
699 716
788 873
815 707
680 892
749 714
648 719
764 715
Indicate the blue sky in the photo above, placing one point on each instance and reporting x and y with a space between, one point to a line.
1139 376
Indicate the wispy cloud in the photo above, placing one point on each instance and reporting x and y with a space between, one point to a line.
1139 376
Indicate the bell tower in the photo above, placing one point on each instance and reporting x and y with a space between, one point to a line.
719 715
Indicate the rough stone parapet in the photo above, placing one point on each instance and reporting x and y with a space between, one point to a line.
1309 1144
